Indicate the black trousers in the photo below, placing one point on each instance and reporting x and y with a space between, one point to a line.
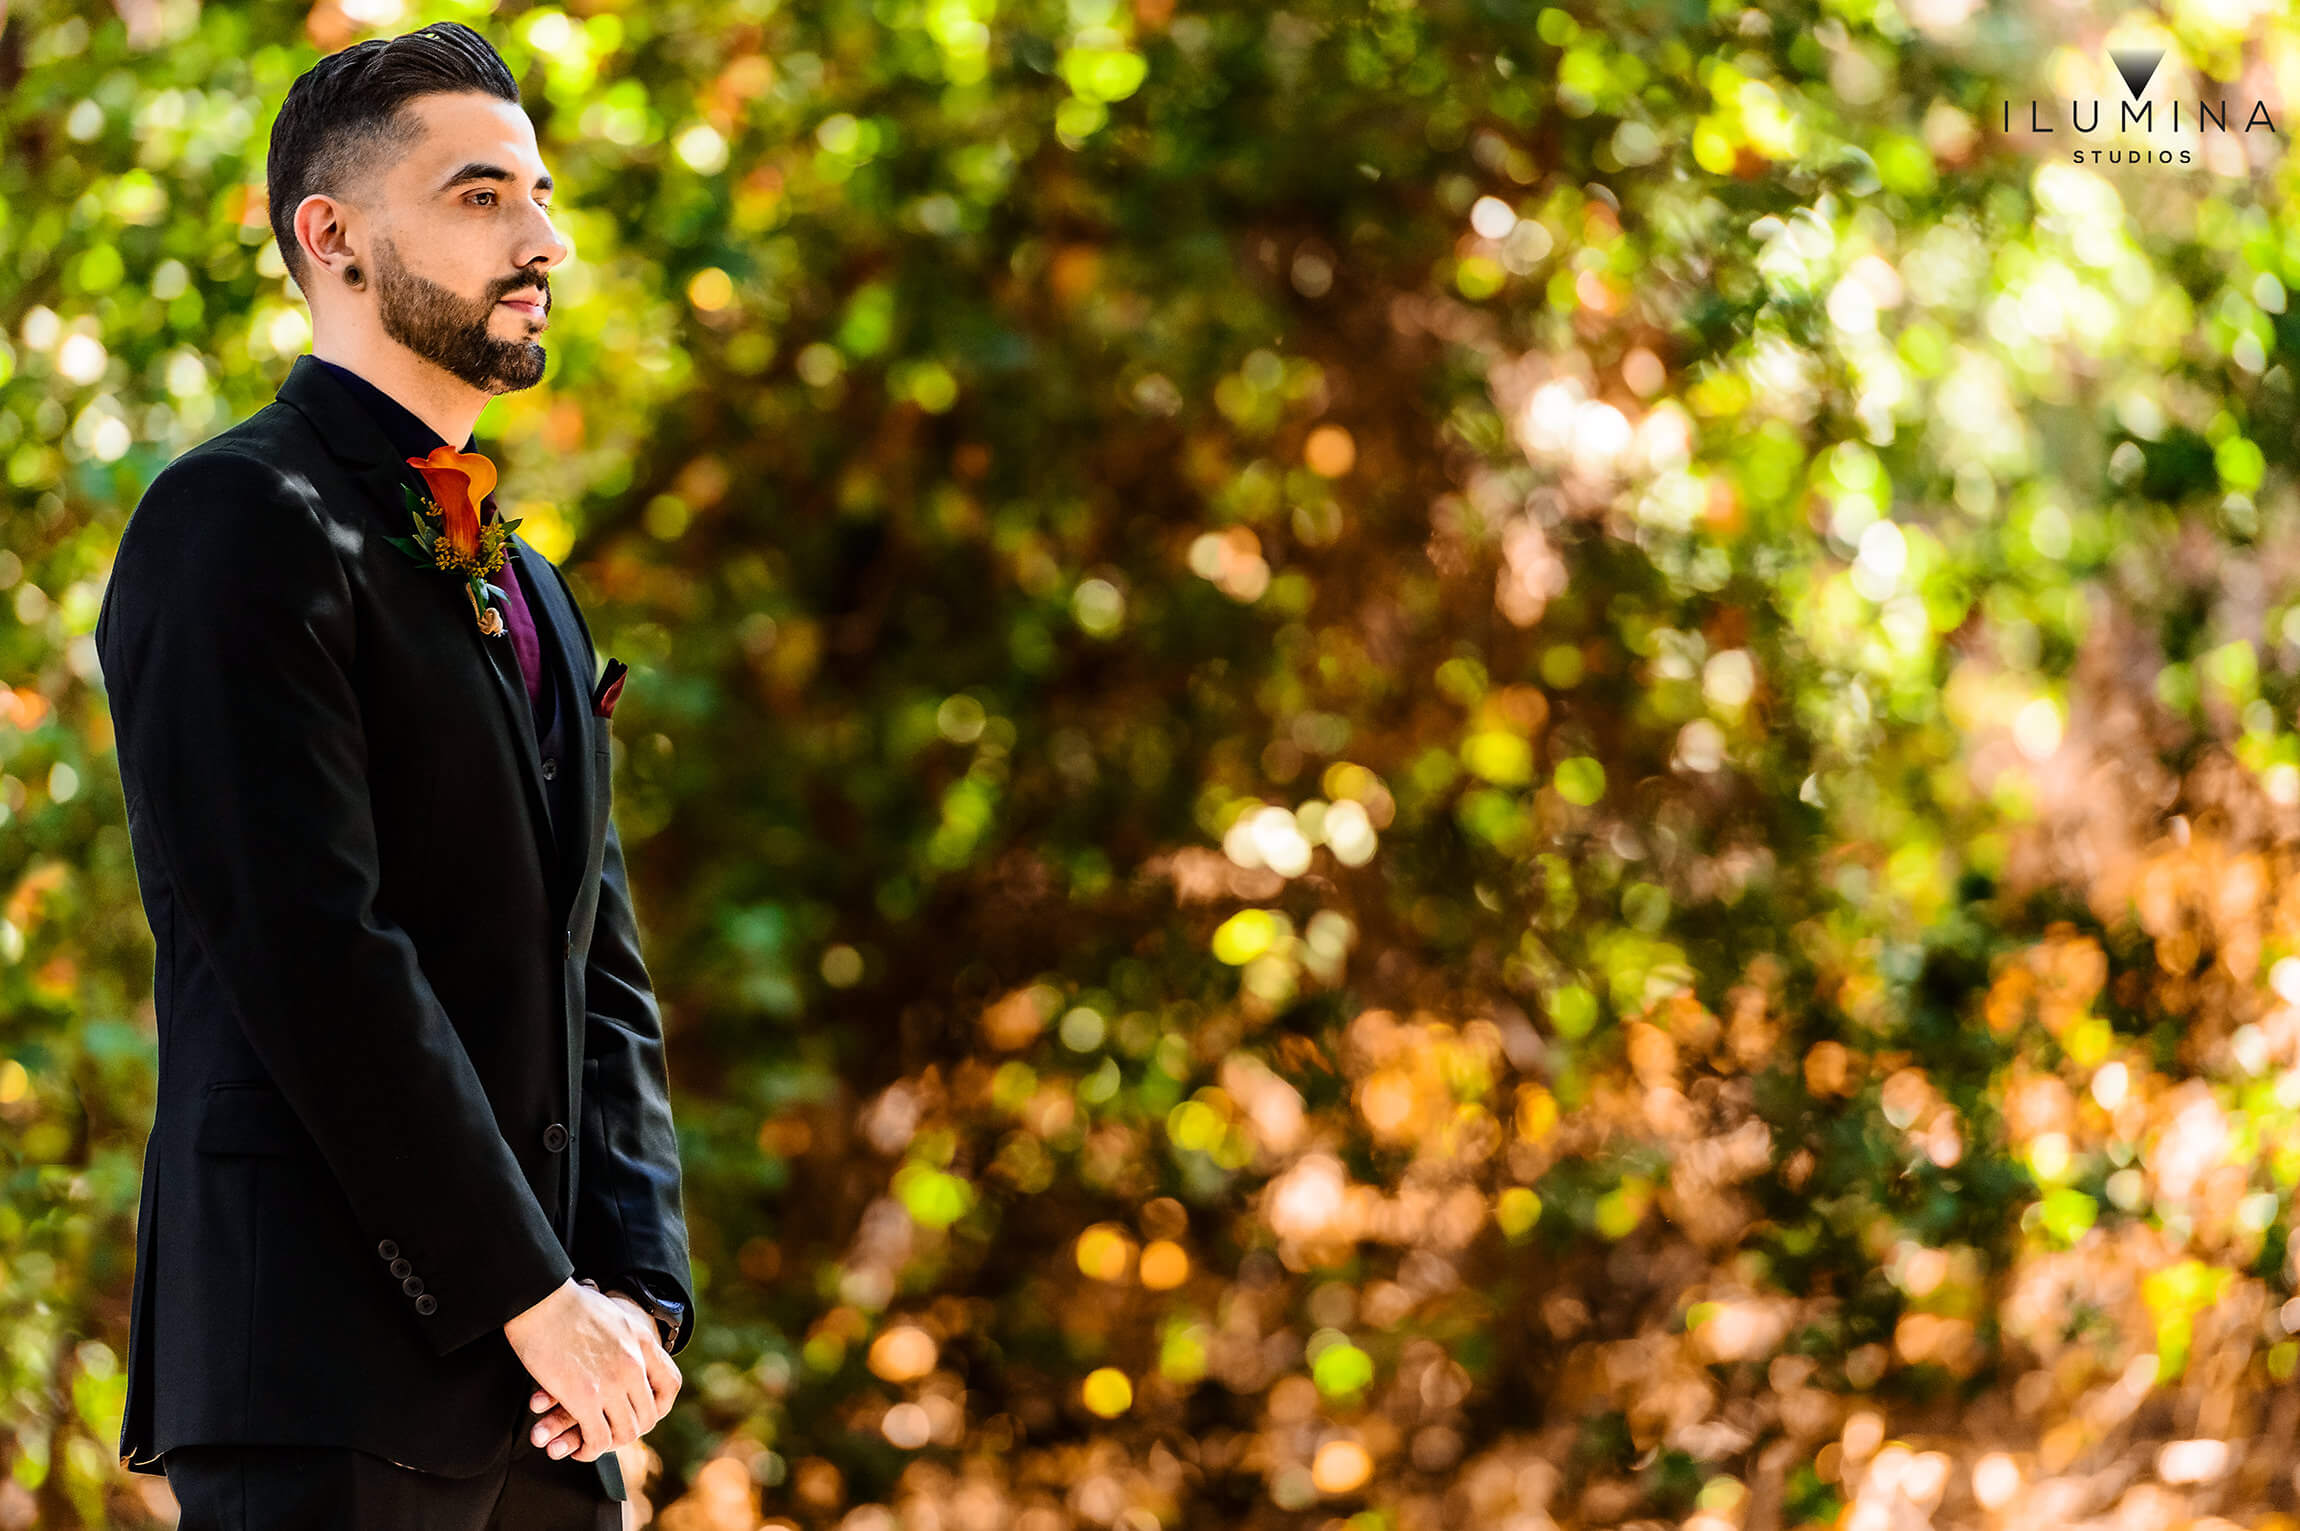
341 1488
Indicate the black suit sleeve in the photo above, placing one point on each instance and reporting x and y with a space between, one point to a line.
228 640
628 1210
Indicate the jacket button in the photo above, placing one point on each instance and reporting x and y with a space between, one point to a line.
400 1267
550 767
555 1137
427 1305
388 1250
412 1286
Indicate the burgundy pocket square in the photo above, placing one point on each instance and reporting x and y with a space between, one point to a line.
610 687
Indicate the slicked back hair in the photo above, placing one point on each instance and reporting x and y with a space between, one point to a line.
345 122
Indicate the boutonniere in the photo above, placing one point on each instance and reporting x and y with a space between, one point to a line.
448 531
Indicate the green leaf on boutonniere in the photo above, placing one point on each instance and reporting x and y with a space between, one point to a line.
410 547
512 525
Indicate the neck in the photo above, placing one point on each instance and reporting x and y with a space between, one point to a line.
432 394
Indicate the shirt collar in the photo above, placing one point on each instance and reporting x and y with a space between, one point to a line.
409 435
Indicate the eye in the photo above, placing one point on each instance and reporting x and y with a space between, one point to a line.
483 192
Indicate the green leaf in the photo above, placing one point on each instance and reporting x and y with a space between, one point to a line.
410 547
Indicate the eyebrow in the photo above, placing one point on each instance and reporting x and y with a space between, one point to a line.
479 170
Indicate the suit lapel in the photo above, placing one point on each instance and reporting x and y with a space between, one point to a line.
557 629
519 717
351 435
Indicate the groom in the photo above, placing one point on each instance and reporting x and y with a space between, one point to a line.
412 1249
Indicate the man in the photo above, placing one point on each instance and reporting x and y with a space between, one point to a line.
412 1251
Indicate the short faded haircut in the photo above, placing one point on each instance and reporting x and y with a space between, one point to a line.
344 122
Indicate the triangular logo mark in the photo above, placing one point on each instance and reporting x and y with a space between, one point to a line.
2137 66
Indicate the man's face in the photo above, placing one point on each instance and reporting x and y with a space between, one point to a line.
464 241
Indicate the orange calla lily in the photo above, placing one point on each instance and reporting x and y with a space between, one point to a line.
458 481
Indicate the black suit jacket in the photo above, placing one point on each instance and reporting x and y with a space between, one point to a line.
411 1065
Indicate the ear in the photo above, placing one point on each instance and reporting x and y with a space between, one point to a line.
322 227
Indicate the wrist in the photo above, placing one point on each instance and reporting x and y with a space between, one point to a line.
666 1324
657 1297
519 1320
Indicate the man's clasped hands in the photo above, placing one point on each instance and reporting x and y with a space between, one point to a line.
600 1368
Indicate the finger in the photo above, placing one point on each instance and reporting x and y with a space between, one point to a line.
539 1400
647 1402
595 1434
662 1380
567 1433
645 1410
614 1429
636 1394
553 1424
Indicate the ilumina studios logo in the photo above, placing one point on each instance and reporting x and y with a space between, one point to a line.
2137 68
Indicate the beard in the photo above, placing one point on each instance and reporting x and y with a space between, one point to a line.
450 331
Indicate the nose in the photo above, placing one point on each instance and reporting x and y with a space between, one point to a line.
552 247
546 249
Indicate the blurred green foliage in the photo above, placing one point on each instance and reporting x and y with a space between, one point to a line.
1391 766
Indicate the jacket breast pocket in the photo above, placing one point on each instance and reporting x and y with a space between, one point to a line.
249 1116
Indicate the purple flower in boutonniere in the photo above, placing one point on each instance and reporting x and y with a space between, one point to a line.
450 533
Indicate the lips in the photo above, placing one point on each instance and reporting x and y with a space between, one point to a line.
531 305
